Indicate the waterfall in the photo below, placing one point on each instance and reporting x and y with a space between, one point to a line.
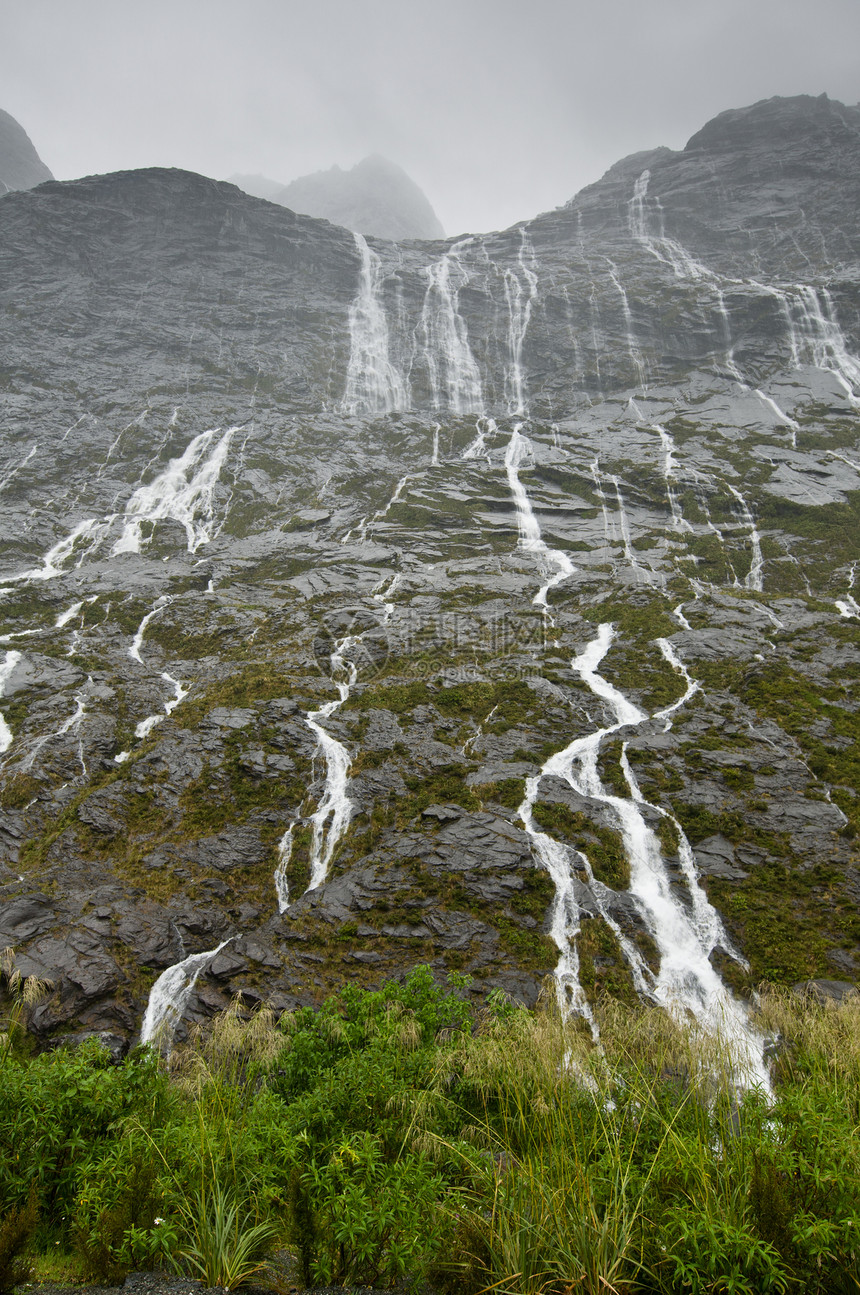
184 492
565 913
12 659
169 997
455 380
692 685
74 721
771 404
87 534
520 290
145 727
374 385
847 607
285 850
642 573
683 265
137 641
819 329
814 336
666 250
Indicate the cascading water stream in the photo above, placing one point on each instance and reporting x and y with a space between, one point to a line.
477 448
374 384
145 726
565 912
137 641
685 934
679 522
784 418
174 494
664 249
555 564
693 686
847 608
335 808
13 472
331 818
169 997
184 492
282 887
12 659
815 329
73 722
754 577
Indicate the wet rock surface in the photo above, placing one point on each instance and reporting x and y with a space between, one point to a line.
216 527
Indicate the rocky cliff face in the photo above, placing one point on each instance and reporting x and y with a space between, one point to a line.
487 603
374 197
20 164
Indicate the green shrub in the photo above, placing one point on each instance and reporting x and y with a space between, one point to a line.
119 1223
16 1231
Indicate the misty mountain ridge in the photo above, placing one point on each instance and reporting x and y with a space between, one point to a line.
489 604
374 197
20 164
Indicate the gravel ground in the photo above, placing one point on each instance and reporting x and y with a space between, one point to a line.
281 1281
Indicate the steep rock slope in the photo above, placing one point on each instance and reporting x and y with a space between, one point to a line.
20 164
488 603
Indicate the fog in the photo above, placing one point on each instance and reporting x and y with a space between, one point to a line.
497 109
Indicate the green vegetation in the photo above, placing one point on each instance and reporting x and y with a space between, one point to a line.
404 1134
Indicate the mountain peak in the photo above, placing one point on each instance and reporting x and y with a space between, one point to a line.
20 164
375 196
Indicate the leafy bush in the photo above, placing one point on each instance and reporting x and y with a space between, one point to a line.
16 1231
119 1221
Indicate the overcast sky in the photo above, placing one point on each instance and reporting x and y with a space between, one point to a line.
497 108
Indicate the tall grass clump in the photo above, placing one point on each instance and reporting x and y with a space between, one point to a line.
638 1165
